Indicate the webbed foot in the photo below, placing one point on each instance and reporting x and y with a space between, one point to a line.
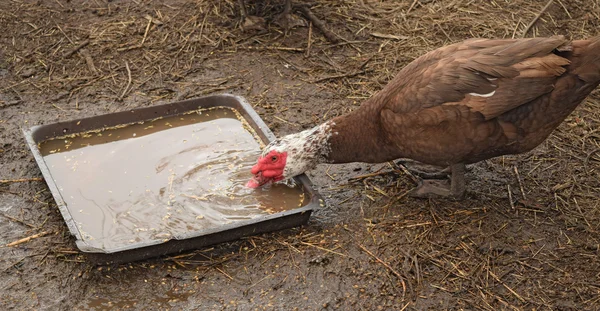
454 188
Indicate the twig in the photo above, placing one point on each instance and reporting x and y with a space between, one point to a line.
310 27
257 282
57 107
76 49
319 24
225 273
146 32
12 103
279 48
64 34
89 61
284 120
520 183
17 220
10 181
13 85
587 159
187 95
387 266
388 36
582 214
378 190
20 260
414 178
128 81
129 48
327 173
506 286
395 199
416 225
564 8
411 6
515 29
537 17
345 75
510 197
377 173
362 66
27 239
323 249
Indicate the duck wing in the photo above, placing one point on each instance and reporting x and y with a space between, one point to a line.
505 73
457 92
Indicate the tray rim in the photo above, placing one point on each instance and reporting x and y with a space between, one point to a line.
247 112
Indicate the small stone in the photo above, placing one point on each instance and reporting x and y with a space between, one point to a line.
27 72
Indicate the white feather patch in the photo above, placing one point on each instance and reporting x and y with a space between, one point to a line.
305 149
483 95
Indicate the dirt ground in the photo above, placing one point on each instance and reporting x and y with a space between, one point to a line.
526 237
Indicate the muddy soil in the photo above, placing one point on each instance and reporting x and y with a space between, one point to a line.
526 237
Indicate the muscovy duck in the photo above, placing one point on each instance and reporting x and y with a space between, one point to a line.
459 104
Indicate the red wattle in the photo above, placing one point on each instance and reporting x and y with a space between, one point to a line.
252 184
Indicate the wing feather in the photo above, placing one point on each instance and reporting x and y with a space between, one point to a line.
488 76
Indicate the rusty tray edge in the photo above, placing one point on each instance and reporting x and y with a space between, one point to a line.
195 239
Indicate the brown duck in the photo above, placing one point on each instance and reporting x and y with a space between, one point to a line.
456 105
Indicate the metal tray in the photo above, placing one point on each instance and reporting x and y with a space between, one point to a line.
192 240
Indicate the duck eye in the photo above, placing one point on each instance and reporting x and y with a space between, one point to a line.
274 158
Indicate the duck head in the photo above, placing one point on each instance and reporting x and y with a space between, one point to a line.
291 156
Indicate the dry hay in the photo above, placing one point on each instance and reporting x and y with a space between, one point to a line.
527 237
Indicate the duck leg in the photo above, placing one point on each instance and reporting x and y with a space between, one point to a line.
435 188
424 171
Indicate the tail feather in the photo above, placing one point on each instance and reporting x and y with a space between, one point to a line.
585 60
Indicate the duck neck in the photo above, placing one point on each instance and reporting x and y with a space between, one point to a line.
357 137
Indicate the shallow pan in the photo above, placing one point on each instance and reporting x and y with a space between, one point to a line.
193 239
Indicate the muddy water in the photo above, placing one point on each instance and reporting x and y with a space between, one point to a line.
161 179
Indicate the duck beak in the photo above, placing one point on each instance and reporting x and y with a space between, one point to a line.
257 180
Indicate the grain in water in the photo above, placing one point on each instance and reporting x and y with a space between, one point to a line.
162 179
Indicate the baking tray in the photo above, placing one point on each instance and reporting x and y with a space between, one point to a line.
191 240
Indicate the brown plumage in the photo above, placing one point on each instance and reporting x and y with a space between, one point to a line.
464 103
